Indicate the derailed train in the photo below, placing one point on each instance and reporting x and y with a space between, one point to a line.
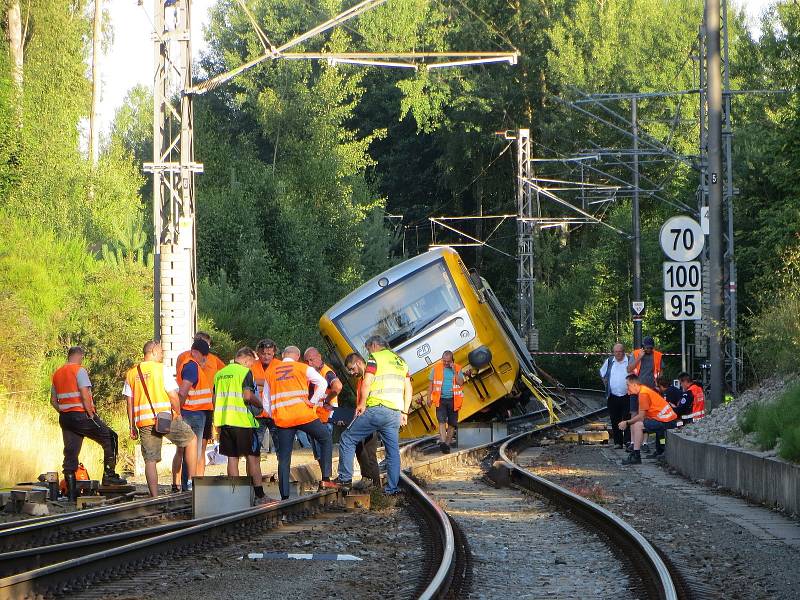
424 306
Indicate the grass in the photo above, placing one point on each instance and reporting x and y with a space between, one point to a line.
776 425
30 444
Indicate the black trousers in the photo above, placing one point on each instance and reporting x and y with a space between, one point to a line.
77 425
619 410
366 454
316 430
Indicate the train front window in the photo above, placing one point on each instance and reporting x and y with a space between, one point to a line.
404 309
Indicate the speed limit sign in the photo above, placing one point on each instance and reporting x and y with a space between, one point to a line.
682 238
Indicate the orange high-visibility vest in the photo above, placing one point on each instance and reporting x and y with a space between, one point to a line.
699 403
658 409
260 376
68 395
438 379
288 394
153 373
213 364
201 395
656 362
323 413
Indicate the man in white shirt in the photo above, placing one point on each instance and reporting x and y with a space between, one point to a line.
613 372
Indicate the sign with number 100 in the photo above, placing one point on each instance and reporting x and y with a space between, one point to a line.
682 238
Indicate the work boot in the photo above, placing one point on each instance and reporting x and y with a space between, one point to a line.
365 483
634 458
72 486
110 477
343 485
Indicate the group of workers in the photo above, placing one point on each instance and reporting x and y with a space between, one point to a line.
642 400
259 393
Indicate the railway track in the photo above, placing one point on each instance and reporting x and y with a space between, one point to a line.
646 573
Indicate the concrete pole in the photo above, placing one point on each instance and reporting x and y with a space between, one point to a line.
714 78
637 234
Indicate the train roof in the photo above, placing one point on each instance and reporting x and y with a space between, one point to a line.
396 272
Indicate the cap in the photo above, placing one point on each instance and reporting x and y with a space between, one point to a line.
648 342
201 346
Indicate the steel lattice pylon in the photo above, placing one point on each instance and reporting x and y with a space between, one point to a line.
525 249
173 169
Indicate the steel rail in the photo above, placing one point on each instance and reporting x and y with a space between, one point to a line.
69 576
645 559
21 534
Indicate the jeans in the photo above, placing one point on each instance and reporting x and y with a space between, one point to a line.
196 419
386 422
75 426
618 410
317 431
316 447
303 439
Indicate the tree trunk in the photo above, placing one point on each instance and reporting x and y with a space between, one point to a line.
16 50
94 124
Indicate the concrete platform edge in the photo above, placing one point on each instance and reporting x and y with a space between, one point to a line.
755 476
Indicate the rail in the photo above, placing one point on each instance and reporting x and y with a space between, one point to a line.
644 558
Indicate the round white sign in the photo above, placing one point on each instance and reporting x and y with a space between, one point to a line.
682 238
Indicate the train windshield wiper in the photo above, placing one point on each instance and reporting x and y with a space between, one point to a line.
407 332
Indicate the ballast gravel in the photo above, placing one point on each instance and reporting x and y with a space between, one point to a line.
714 552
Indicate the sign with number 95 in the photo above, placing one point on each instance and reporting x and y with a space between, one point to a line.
682 306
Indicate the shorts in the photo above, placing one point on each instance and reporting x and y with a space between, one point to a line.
180 434
208 430
196 419
239 441
653 426
445 413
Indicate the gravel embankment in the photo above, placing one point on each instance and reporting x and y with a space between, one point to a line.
722 424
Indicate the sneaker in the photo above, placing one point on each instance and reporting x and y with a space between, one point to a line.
338 483
645 446
265 500
364 484
114 479
634 458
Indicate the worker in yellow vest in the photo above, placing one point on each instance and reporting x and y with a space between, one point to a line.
71 396
383 406
235 392
446 394
150 389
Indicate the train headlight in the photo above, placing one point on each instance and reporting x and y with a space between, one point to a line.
480 357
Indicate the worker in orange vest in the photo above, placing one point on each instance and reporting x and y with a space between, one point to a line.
213 364
286 395
655 415
446 394
646 364
313 358
697 395
150 389
71 396
266 351
195 392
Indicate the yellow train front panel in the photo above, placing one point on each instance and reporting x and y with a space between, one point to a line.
422 307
